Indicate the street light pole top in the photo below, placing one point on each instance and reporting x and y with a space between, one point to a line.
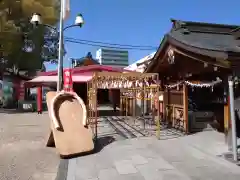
79 21
36 19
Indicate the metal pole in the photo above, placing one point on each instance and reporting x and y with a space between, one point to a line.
233 121
60 50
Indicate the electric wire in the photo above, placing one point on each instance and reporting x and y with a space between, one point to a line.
108 46
111 44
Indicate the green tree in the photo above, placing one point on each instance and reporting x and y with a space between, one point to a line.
23 47
29 48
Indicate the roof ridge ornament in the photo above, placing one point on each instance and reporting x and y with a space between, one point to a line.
178 24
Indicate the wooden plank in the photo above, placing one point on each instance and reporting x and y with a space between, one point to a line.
175 106
127 74
73 138
226 118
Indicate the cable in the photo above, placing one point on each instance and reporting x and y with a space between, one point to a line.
111 47
111 44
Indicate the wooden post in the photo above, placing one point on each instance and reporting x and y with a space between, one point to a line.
134 105
131 106
226 117
87 105
39 100
121 102
95 88
185 108
226 114
127 99
134 102
168 120
158 115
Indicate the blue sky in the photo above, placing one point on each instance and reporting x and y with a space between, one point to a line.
139 22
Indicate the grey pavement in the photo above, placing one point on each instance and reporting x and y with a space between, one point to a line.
23 154
192 157
125 151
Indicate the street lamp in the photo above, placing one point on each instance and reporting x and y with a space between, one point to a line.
37 20
79 21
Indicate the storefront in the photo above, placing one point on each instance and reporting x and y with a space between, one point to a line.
8 92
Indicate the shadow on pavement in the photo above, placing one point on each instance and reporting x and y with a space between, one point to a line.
14 111
108 113
103 142
99 145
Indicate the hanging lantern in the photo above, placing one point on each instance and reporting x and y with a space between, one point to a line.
205 65
236 80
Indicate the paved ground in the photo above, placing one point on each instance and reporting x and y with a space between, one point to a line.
123 153
23 155
145 158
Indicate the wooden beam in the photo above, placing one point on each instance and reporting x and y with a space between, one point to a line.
125 74
159 60
219 63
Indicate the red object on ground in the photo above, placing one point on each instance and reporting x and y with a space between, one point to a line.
39 99
67 80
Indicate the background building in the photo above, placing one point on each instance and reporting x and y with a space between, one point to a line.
83 61
140 65
112 57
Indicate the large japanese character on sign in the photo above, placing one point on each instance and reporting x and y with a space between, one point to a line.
67 73
68 80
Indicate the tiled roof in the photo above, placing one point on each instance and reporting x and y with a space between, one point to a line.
81 60
83 69
205 36
215 41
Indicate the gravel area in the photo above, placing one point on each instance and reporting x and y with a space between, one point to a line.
23 151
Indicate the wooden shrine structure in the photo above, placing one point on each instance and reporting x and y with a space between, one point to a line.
132 85
194 61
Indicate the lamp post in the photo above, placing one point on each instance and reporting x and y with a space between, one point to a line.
233 120
79 21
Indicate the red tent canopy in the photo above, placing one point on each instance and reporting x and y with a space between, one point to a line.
80 74
90 68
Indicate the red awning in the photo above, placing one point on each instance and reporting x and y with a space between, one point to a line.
85 69
52 80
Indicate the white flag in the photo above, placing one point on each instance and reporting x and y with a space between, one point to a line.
66 9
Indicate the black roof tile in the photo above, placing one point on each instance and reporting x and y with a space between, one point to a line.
207 36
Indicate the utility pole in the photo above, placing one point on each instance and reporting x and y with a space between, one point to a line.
60 49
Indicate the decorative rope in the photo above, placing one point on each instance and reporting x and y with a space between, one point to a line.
201 85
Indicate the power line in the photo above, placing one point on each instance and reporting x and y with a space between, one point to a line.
111 44
107 46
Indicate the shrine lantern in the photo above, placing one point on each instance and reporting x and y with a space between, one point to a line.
67 80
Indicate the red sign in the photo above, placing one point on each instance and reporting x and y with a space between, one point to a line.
67 80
